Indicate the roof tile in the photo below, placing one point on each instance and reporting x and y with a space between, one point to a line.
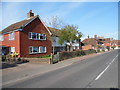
17 25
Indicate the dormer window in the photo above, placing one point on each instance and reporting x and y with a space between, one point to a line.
37 36
11 36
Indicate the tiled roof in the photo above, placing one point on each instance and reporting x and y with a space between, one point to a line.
116 42
107 44
90 41
54 31
17 25
93 41
21 24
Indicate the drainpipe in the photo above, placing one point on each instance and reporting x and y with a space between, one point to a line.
80 47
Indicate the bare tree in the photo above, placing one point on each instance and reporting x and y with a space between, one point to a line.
56 23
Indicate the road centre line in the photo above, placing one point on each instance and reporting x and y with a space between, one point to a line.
105 68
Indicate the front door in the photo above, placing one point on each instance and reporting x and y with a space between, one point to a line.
5 50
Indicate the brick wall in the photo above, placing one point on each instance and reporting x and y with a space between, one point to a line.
22 42
37 27
86 47
12 43
39 60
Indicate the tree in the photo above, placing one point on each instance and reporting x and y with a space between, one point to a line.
113 47
108 48
56 23
68 35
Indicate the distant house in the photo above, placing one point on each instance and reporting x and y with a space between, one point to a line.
55 44
96 43
29 37
89 43
115 44
54 39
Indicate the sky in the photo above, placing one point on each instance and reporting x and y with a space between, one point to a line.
100 18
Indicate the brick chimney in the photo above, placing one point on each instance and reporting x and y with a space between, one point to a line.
95 36
88 36
30 14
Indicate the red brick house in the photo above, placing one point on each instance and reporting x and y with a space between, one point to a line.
29 37
96 43
116 44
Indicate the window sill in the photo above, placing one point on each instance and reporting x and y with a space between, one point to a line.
37 53
11 39
38 39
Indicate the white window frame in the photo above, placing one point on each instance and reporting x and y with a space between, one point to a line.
39 50
42 34
39 34
12 49
35 36
1 37
30 35
29 49
42 51
12 36
32 50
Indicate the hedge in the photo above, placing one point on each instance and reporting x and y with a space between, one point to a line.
67 55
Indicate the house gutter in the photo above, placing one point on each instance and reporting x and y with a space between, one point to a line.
13 31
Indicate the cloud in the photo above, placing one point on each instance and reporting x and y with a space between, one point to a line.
112 35
63 10
10 14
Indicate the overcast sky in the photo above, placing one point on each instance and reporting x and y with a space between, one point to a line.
99 18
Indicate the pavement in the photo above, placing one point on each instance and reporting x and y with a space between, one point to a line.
25 72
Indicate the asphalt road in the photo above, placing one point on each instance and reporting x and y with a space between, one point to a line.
98 71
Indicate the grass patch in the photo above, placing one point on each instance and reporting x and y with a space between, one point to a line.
45 56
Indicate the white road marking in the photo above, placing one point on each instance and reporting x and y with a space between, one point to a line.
105 69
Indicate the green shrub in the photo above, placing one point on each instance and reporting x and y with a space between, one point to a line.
19 59
45 56
103 50
67 55
3 58
87 52
98 50
82 53
78 53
